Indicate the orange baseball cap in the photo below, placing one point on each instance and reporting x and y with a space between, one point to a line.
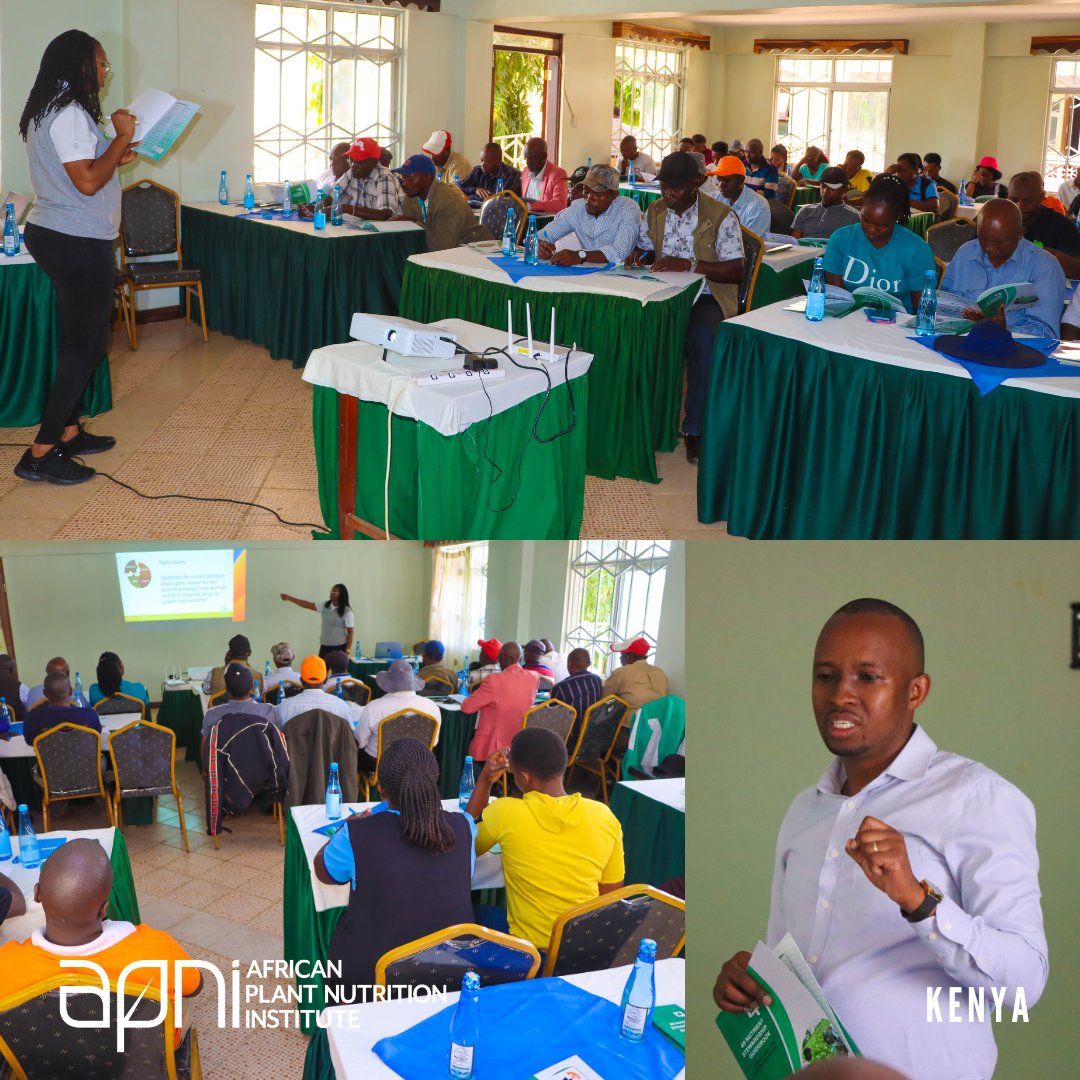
729 165
313 670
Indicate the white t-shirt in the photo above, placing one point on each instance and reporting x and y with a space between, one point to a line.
335 627
73 134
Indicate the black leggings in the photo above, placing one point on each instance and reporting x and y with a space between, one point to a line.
326 650
83 272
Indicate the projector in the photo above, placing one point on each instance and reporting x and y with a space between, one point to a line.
402 336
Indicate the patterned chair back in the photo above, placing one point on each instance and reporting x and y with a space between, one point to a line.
70 760
143 759
289 689
497 958
436 687
605 933
785 190
354 690
946 238
948 203
556 716
493 213
118 704
781 216
148 212
43 1044
405 725
753 249
218 699
600 728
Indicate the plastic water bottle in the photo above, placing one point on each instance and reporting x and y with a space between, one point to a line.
339 691
532 243
5 724
11 231
499 186
815 295
468 782
337 217
630 172
249 193
639 997
509 236
358 652
255 695
223 189
465 1029
463 682
588 163
266 673
333 794
5 840
79 699
286 200
320 213
281 691
924 317
455 180
29 853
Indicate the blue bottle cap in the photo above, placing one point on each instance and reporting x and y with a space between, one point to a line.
468 757
647 949
22 808
471 982
333 766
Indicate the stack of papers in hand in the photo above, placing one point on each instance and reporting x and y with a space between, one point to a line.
799 1028
159 121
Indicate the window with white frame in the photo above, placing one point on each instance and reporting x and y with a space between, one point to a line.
324 73
649 82
836 103
614 592
459 598
1061 156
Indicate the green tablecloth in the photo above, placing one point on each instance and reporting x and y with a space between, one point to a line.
806 194
123 903
654 837
920 222
181 711
805 443
644 197
444 487
290 292
772 285
29 337
366 670
638 357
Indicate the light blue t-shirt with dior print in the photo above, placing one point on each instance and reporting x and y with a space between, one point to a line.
898 268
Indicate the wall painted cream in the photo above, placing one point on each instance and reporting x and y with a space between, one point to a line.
996 620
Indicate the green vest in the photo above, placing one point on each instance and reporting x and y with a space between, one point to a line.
710 213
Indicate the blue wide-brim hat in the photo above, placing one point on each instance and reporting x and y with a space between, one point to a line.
989 343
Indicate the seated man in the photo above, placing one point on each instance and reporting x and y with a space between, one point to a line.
533 651
688 231
10 687
37 693
12 901
1001 256
241 686
858 178
59 708
446 217
628 152
761 174
701 147
824 218
637 681
483 181
581 689
554 659
449 164
372 190
488 663
751 209
73 889
339 167
239 652
543 183
1053 232
1070 321
313 696
932 168
337 668
283 656
606 223
399 686
558 850
501 702
433 668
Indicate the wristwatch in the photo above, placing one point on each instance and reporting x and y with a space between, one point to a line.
926 908
582 254
693 264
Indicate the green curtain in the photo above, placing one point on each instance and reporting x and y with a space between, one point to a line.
654 837
457 493
638 358
123 903
804 443
29 338
290 292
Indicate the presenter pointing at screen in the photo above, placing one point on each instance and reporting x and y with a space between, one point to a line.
71 232
338 620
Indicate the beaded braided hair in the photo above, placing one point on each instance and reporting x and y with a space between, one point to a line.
410 774
893 192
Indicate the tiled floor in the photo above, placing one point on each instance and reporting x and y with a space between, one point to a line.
220 904
222 419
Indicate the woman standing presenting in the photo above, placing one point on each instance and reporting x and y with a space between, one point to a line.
70 233
338 620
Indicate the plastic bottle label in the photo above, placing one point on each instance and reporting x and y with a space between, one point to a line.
634 1019
461 1061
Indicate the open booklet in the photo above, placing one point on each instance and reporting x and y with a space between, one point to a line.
573 1068
160 119
798 1029
839 301
951 306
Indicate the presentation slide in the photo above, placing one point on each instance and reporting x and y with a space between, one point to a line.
164 585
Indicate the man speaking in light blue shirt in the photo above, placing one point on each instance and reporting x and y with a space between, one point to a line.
605 223
908 875
1001 256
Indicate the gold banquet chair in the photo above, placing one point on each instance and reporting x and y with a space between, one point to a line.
596 741
144 765
69 761
406 724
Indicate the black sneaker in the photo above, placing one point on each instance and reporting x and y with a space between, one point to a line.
85 443
54 467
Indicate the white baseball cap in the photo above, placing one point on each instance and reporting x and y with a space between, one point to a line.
438 142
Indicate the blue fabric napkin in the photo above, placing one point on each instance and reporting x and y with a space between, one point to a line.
514 266
990 378
526 1027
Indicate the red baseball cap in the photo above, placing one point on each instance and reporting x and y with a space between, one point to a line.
364 150
490 648
639 647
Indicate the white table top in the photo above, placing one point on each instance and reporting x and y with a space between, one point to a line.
883 343
22 259
473 263
354 1029
18 747
352 227
357 369
779 261
486 875
21 928
969 212
669 791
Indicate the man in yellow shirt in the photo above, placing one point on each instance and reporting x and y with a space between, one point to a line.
558 850
637 682
858 177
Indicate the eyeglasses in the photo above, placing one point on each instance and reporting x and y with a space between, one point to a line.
106 65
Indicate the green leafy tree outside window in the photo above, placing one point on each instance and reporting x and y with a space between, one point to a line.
518 77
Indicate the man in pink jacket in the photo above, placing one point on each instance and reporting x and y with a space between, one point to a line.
501 701
543 183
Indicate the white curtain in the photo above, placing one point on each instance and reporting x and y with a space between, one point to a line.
458 599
